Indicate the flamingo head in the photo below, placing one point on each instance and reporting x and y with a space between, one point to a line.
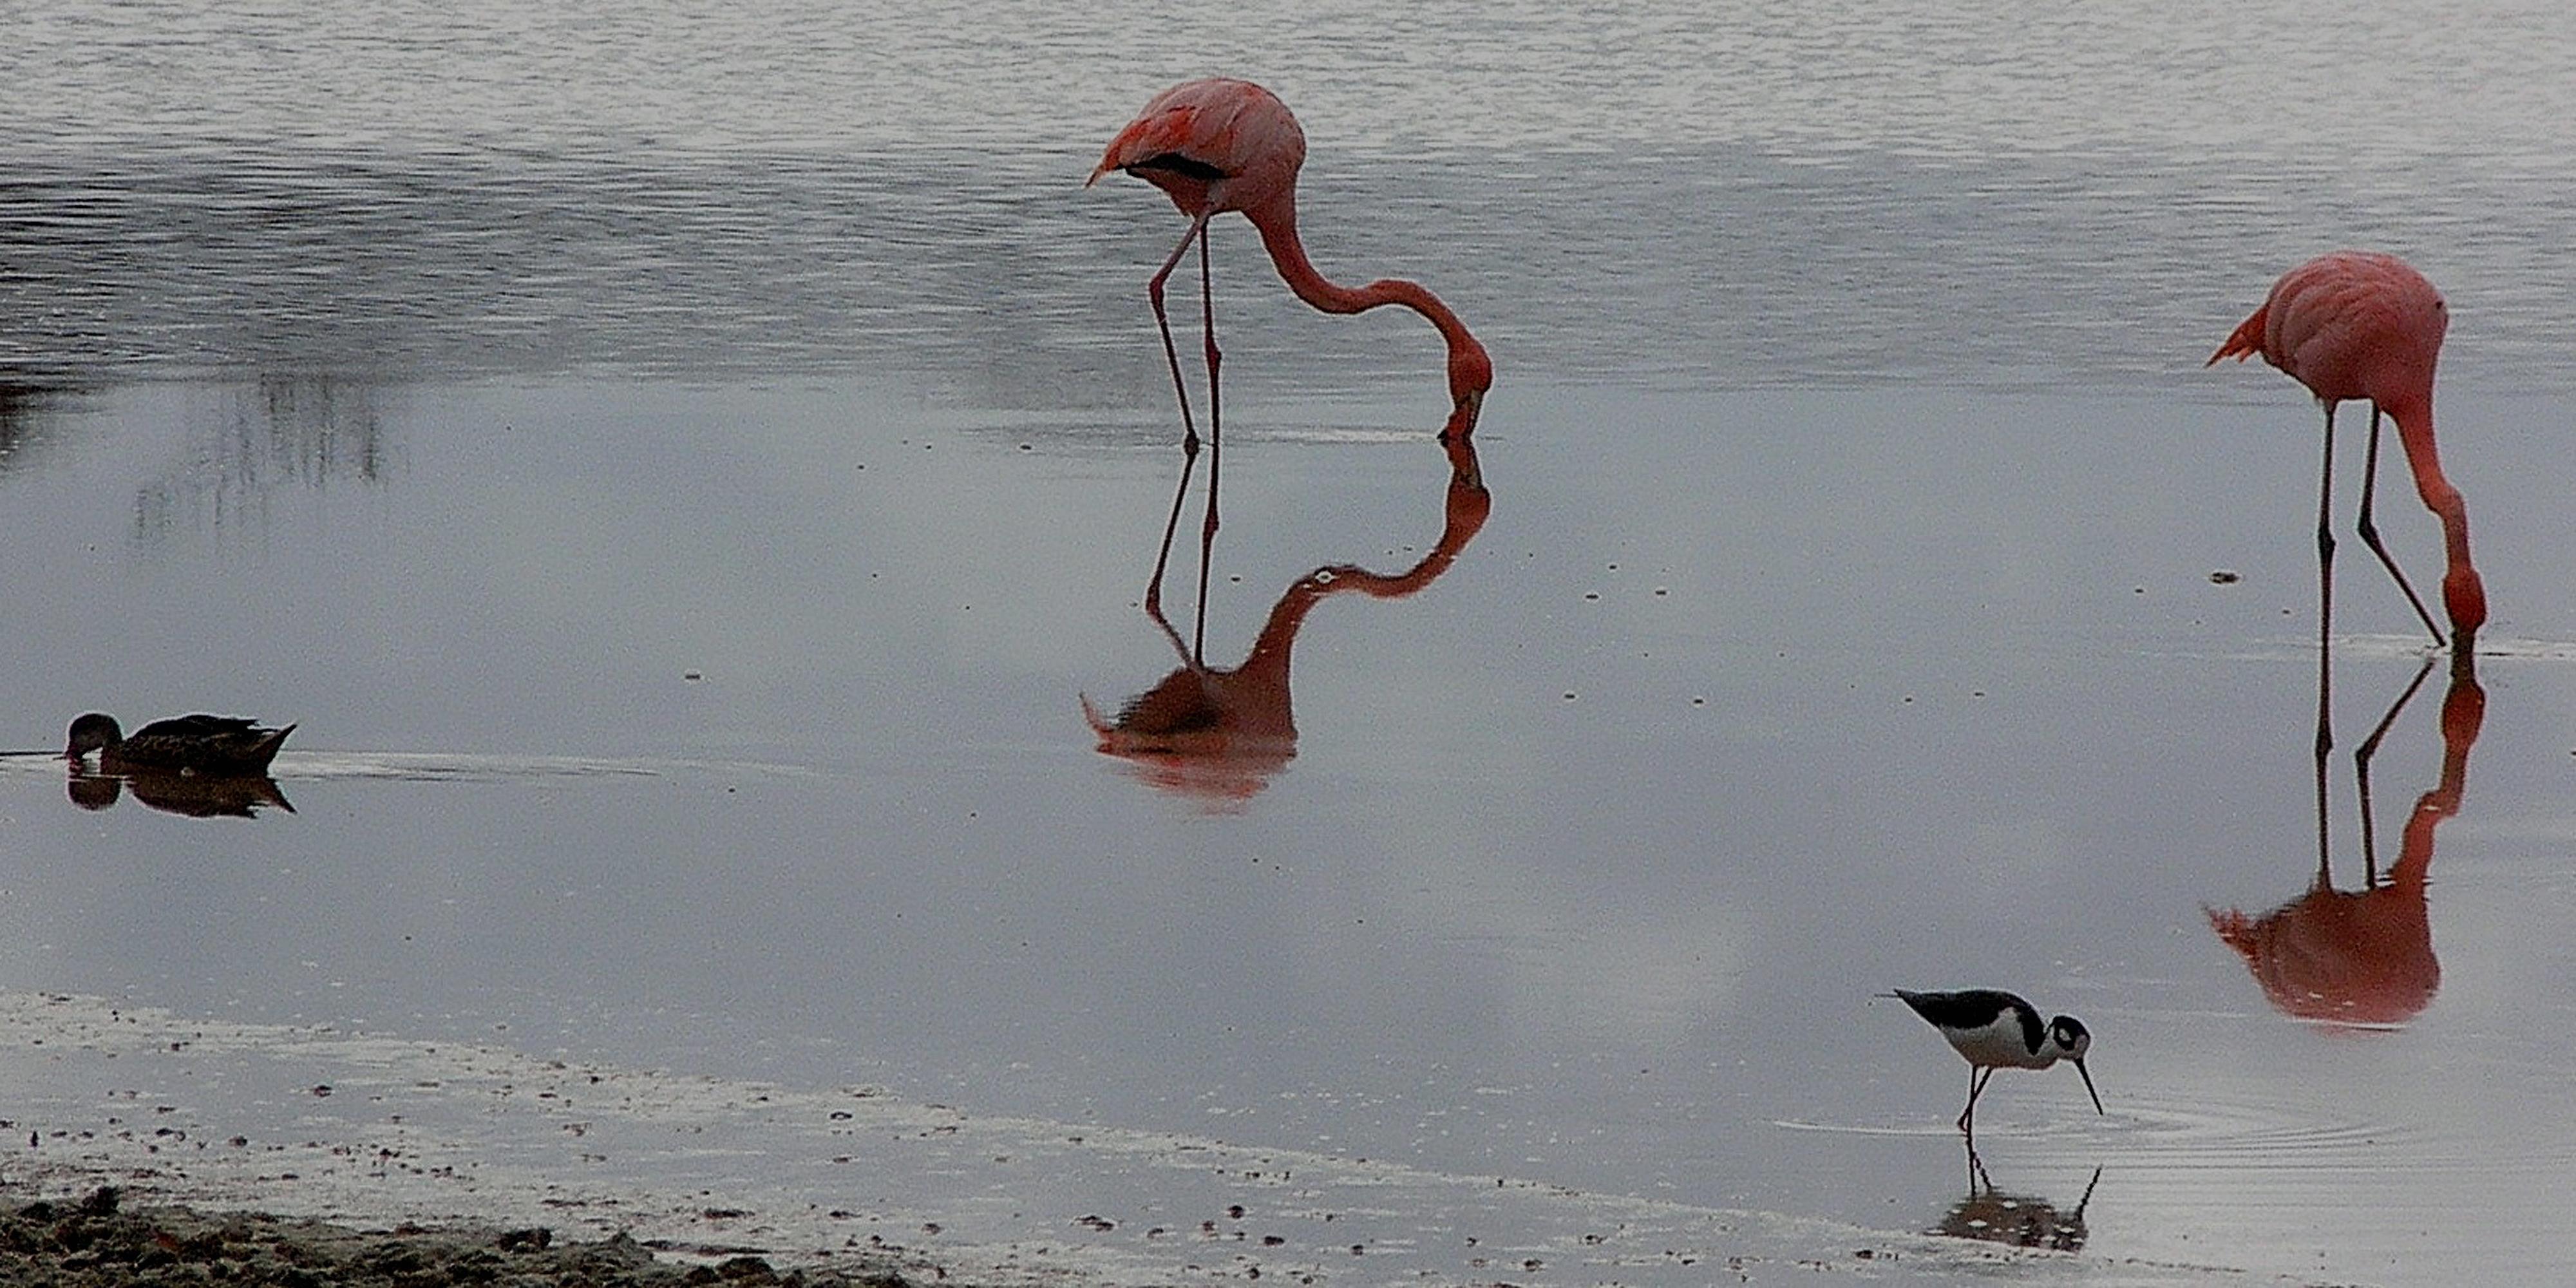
2465 596
1471 375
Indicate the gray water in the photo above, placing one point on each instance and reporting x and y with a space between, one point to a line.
684 470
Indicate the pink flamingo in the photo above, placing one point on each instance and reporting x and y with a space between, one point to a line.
1216 145
2356 324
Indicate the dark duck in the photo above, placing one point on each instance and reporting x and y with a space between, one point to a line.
198 744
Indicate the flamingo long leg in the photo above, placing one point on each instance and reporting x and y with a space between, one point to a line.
1154 613
1181 389
1172 525
1171 353
2325 618
2325 651
2361 773
2325 752
1153 591
2370 530
1216 436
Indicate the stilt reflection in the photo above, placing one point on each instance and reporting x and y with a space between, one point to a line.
2023 1221
1220 734
2365 956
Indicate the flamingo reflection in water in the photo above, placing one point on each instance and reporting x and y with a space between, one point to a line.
1220 734
2023 1221
2365 957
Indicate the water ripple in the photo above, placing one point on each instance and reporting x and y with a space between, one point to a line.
1004 283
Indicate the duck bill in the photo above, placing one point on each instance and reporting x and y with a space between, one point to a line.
2088 1088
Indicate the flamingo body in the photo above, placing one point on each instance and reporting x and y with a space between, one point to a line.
2350 324
2343 957
2354 324
1213 145
1219 145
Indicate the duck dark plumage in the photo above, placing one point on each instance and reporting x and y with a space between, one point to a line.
199 744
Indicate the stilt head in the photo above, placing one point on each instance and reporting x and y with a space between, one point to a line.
2068 1039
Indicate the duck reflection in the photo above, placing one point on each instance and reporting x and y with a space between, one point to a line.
2365 956
1220 733
190 795
1993 1216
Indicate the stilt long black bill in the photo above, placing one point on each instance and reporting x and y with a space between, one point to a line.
2088 1089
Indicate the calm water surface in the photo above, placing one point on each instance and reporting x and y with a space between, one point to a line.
687 470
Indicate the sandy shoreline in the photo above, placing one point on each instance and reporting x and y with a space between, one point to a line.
268 1154
96 1239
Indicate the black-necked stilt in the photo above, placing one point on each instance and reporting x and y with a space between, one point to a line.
1996 1030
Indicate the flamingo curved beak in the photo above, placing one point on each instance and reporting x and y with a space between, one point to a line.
2088 1087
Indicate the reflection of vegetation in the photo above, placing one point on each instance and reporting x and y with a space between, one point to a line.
256 439
22 421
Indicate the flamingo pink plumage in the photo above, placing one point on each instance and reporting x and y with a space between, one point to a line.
2358 324
1216 145
2365 956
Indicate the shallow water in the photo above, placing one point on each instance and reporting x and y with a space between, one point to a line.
688 551
1582 868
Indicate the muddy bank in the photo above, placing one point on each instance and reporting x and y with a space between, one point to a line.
95 1240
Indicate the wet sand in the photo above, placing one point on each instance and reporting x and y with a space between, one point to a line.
391 1152
96 1241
